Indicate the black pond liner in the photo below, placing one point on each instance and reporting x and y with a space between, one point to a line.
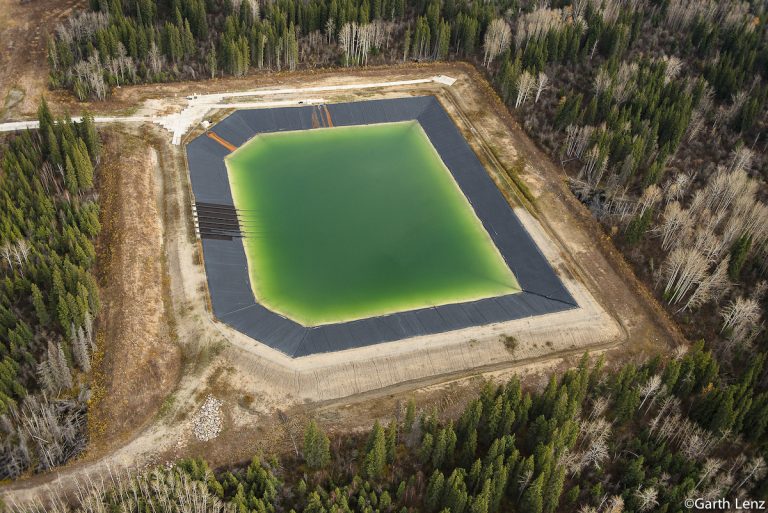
227 269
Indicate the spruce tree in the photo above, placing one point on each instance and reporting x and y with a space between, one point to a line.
481 502
427 444
455 492
532 501
553 489
438 453
70 176
90 135
83 166
44 116
211 61
316 447
376 457
739 253
410 416
39 304
391 441
434 492
54 151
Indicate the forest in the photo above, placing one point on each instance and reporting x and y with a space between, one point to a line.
657 112
49 217
642 438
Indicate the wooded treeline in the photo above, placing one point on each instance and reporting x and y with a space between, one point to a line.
660 120
49 216
641 438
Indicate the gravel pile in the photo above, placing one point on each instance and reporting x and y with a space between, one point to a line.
207 422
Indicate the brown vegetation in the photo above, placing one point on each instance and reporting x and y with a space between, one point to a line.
139 361
24 28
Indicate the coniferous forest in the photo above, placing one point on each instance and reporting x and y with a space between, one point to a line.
645 438
655 109
49 216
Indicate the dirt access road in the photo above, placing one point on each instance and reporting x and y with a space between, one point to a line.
152 415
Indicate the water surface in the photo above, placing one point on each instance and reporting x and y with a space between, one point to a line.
352 222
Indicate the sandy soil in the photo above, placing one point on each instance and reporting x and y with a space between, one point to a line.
350 390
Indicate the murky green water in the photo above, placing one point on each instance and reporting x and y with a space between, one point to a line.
353 222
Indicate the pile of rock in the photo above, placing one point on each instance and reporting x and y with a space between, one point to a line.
207 422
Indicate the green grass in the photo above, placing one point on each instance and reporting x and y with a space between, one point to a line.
354 222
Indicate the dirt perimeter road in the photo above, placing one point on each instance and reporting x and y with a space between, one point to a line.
216 361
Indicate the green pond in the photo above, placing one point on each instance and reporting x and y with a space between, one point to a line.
353 222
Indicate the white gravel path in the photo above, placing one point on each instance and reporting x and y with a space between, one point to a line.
198 107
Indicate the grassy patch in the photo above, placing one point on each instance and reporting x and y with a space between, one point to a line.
514 173
167 406
197 353
13 98
246 401
510 343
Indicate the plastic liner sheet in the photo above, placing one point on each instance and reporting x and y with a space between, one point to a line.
226 266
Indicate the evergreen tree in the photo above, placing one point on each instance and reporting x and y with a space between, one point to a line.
70 176
739 253
211 62
39 303
83 166
54 152
391 442
434 492
532 500
376 456
317 452
410 416
90 136
45 117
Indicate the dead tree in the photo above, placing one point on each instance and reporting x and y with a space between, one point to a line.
524 86
741 317
541 84
497 40
683 268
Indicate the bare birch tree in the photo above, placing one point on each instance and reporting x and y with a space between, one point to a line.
713 287
741 316
6 250
541 84
577 140
650 388
683 268
497 40
524 86
647 498
538 23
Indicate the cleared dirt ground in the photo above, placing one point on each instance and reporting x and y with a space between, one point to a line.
24 29
138 360
252 420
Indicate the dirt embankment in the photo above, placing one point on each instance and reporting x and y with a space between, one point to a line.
138 360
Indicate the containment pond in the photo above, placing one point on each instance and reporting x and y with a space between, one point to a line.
360 221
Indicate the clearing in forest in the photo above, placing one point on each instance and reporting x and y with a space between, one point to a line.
381 225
